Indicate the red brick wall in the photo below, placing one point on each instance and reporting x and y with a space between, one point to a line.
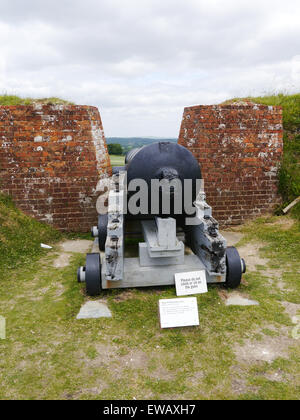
51 158
239 148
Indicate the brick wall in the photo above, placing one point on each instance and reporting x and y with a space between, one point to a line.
51 158
239 148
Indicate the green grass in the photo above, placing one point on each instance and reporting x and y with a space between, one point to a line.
48 354
21 236
289 175
11 100
117 160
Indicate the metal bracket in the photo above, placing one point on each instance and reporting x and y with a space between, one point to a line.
114 246
162 246
205 240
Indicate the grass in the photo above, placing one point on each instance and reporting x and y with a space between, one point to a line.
48 354
21 236
13 100
289 175
117 160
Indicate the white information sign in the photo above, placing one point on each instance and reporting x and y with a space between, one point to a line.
190 283
178 312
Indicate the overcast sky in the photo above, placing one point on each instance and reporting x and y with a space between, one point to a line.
142 61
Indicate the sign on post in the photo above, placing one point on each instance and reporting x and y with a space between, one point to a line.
190 283
178 312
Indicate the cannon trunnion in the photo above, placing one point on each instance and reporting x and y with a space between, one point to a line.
163 251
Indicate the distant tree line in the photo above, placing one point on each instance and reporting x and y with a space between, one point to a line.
115 149
121 145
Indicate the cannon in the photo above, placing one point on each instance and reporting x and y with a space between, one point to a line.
178 236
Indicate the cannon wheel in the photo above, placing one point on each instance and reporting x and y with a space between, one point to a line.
93 275
235 268
102 230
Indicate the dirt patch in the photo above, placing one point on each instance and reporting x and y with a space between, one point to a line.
237 299
292 309
36 299
79 245
108 355
165 375
275 278
196 379
223 294
96 390
276 376
273 273
239 386
284 222
250 253
232 238
36 294
70 247
136 359
239 383
59 290
123 296
63 260
267 350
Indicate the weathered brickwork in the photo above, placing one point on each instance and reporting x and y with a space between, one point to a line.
51 159
239 148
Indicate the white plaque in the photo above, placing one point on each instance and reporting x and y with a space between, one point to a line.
178 312
191 283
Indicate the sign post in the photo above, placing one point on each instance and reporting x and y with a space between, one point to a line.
178 312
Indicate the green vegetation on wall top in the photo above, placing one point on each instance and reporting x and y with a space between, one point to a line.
13 100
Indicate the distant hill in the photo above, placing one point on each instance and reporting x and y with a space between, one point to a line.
130 142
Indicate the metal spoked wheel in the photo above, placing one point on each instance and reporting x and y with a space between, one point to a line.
235 266
102 230
93 275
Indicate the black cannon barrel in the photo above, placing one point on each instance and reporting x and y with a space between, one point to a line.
160 161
